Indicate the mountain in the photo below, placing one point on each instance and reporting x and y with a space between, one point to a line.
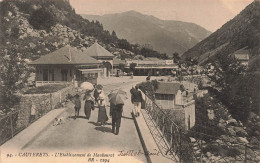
243 31
165 36
37 27
30 29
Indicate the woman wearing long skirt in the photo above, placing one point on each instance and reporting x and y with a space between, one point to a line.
102 113
89 104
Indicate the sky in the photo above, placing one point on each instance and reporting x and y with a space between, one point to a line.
210 14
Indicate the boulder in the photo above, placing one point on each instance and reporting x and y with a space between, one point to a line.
195 148
232 121
257 125
254 141
6 19
208 154
222 120
10 13
230 139
240 131
29 30
243 140
231 131
55 44
252 115
193 140
220 142
32 45
257 133
222 125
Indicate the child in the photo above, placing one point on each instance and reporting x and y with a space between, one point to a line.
77 106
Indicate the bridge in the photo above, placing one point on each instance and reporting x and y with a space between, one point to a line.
152 137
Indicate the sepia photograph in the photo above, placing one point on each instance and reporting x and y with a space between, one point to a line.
130 81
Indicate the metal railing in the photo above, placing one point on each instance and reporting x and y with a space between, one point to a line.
165 132
41 83
175 143
9 126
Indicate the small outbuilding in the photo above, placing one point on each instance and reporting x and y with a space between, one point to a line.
66 65
169 97
99 53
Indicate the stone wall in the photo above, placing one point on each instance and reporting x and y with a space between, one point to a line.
189 110
183 115
43 103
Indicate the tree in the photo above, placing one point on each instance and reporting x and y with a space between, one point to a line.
113 37
13 75
190 61
132 66
237 87
124 44
113 34
176 57
121 66
182 88
42 19
227 69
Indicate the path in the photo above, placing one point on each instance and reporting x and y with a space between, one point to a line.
86 136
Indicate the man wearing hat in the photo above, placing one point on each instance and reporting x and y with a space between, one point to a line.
116 113
136 99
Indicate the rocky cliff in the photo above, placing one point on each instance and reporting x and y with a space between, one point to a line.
243 31
37 27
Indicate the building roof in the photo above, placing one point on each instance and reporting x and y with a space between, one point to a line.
117 61
151 59
66 55
242 54
150 62
97 50
168 88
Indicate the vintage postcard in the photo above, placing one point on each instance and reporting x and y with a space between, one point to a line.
129 81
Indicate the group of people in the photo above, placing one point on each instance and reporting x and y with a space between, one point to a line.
98 98
116 111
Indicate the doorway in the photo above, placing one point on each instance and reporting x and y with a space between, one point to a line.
45 75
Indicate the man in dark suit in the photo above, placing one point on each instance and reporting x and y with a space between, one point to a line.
116 113
136 99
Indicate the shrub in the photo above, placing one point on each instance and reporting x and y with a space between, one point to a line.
58 105
42 19
149 87
221 150
45 89
69 97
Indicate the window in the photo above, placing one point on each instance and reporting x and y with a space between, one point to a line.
64 74
45 75
51 71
